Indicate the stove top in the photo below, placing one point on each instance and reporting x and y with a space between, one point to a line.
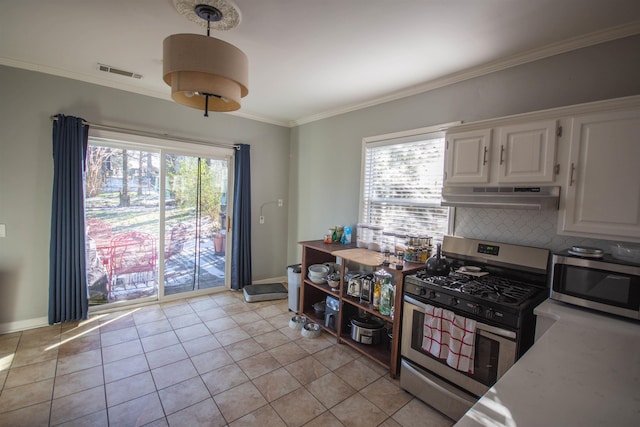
516 283
491 299
487 288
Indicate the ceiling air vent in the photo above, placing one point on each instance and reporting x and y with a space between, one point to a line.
110 69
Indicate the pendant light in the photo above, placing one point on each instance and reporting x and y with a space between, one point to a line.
204 72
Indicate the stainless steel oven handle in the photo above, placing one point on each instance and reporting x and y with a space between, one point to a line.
479 326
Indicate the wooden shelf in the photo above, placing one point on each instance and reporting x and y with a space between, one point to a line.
366 307
380 353
324 288
318 252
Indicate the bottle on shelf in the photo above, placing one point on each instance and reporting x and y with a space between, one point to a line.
376 295
387 296
382 279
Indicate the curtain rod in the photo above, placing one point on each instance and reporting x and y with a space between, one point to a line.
154 135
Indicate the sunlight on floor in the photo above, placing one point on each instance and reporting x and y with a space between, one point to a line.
86 331
5 362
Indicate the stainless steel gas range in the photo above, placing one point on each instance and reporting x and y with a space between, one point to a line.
481 314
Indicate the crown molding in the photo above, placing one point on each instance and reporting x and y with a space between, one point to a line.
586 40
127 88
590 39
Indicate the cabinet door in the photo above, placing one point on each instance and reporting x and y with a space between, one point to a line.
603 184
467 157
527 152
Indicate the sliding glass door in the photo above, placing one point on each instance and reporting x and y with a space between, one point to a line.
155 219
195 223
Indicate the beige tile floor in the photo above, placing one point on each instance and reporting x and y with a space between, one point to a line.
213 360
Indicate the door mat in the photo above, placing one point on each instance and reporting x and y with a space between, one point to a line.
265 292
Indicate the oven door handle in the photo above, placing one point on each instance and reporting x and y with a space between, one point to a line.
479 326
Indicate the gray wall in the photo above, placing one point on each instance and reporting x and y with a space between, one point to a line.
26 170
325 187
315 167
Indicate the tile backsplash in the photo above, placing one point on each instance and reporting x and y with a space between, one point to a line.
519 227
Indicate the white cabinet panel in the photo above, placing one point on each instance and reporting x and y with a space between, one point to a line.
527 152
467 157
603 183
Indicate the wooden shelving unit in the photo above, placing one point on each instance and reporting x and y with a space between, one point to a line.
317 252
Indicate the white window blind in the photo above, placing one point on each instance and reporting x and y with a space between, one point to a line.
402 185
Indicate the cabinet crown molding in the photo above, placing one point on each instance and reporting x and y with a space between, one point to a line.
628 102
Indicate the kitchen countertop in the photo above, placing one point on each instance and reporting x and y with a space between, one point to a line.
583 371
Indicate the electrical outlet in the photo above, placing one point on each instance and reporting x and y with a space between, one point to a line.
3 230
279 203
261 219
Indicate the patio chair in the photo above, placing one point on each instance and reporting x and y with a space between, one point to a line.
100 232
133 254
176 240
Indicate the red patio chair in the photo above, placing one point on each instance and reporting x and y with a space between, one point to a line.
176 240
134 254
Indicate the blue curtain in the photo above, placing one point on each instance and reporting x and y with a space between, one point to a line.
241 221
67 269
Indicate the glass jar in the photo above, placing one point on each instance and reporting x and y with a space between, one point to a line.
362 235
400 242
410 247
375 243
388 241
388 246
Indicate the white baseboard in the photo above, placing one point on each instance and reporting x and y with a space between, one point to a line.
23 325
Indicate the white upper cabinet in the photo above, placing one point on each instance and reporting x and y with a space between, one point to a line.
527 152
467 157
521 153
603 176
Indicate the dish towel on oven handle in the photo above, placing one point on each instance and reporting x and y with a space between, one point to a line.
449 336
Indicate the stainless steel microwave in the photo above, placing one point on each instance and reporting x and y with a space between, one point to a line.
604 283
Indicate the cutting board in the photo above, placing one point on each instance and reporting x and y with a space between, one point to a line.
360 256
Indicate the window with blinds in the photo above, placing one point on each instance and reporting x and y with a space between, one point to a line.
402 184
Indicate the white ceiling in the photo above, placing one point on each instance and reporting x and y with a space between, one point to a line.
310 59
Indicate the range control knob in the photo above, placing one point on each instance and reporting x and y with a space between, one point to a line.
432 294
453 301
422 291
490 314
477 309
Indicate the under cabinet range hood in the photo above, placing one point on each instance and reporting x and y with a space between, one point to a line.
523 197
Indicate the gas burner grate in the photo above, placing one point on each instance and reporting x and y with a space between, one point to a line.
490 288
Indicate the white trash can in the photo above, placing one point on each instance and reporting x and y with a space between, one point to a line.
293 285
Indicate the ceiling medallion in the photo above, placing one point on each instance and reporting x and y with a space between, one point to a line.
229 11
204 72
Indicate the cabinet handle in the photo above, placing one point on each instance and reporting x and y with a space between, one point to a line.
501 154
484 157
573 170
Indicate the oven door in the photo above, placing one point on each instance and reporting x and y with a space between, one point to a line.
495 351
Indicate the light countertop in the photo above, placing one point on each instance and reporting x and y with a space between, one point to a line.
583 371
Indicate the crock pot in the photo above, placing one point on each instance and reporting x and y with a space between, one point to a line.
367 330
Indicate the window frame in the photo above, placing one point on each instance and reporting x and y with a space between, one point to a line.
162 146
408 136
